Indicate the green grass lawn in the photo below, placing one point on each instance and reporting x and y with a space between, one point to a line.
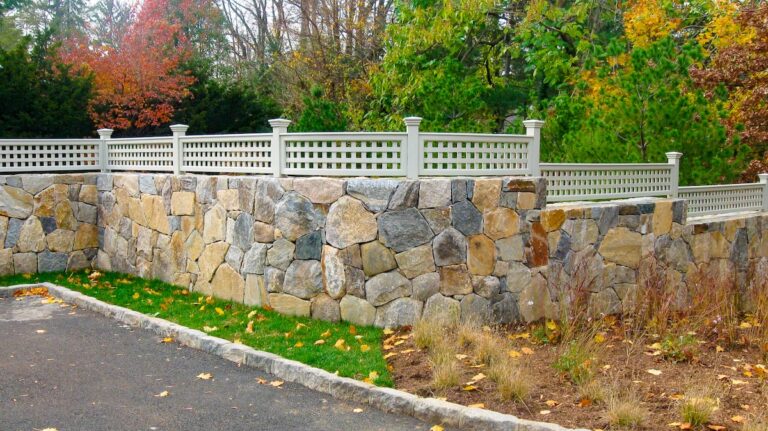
312 342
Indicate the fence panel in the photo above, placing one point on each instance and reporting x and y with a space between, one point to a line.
473 154
140 154
575 181
721 199
247 154
48 155
343 154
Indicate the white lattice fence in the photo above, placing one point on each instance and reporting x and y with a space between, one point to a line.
140 154
708 200
343 154
473 154
574 182
44 155
227 153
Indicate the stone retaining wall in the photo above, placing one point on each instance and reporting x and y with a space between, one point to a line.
47 222
371 251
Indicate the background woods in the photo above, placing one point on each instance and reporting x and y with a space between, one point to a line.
615 81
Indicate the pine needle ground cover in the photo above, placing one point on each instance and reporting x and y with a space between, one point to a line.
341 348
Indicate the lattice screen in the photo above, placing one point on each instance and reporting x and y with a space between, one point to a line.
141 154
33 155
705 200
573 182
344 154
227 153
473 154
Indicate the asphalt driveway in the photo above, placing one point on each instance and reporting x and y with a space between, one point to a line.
70 369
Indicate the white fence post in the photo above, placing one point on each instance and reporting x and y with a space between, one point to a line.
533 129
764 182
411 150
104 135
178 130
279 126
673 158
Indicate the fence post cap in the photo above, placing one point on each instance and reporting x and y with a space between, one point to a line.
412 121
763 178
105 133
179 128
279 122
535 124
674 155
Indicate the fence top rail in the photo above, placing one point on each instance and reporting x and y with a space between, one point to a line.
720 187
344 136
484 137
227 137
48 141
144 140
604 166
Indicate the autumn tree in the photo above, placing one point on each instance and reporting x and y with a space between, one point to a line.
740 69
138 81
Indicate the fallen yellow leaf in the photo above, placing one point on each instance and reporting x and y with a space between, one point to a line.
276 383
388 331
654 372
341 344
437 428
389 355
514 354
167 340
551 403
249 327
526 351
326 334
252 313
357 410
365 348
469 388
163 394
544 412
210 328
204 376
135 295
319 342
299 344
477 406
219 311
738 419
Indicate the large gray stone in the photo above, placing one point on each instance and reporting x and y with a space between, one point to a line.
215 226
400 312
454 280
310 246
268 193
450 248
386 287
255 259
442 309
505 310
6 261
323 307
403 229
405 196
274 279
15 202
374 193
320 190
295 216
234 257
511 248
51 262
25 263
466 218
147 184
205 189
247 192
242 236
487 287
349 223
518 277
333 272
281 254
32 237
14 230
304 279
35 183
357 311
435 193
475 308
425 286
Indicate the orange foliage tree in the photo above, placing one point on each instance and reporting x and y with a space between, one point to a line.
139 79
